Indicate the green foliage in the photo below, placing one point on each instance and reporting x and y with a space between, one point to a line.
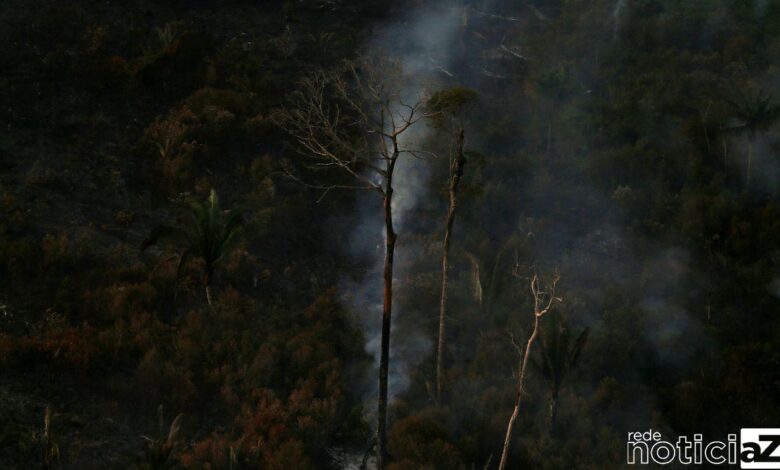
206 236
559 354
754 113
450 103
211 231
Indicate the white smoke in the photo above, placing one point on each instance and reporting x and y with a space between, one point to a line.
617 16
422 45
761 7
674 332
758 155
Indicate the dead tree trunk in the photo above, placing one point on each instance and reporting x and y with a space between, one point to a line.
519 395
540 308
351 119
456 173
387 307
749 162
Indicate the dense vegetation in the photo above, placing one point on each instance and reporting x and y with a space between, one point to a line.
629 145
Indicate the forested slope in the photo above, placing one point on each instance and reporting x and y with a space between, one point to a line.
630 146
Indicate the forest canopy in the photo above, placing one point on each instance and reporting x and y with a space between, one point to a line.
399 235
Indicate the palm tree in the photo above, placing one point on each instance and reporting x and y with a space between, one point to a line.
206 236
559 355
754 114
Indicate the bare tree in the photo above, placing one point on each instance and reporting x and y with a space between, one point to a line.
355 119
543 301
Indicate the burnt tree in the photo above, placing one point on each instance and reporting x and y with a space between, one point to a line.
355 120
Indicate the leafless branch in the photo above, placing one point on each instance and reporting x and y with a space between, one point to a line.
351 119
543 301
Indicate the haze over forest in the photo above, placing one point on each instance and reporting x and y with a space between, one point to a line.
335 234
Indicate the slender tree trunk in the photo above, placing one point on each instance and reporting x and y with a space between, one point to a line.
47 453
384 357
553 412
518 399
208 297
456 173
207 288
749 162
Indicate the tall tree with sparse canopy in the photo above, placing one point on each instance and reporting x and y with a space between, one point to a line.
448 108
355 119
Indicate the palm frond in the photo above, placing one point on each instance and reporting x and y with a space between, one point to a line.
558 354
755 113
175 429
206 234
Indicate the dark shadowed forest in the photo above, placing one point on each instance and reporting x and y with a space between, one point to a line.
342 234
